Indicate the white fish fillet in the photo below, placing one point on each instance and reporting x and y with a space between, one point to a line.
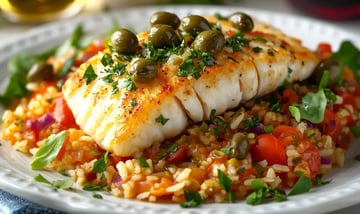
119 127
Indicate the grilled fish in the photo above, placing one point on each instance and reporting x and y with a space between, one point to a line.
127 121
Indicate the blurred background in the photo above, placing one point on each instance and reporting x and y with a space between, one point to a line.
18 16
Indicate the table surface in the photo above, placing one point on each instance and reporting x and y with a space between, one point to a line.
9 32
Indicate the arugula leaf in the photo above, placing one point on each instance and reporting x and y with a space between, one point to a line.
192 199
57 184
19 66
349 55
66 67
303 185
313 105
74 42
48 151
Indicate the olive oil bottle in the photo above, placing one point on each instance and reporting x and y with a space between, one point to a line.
39 10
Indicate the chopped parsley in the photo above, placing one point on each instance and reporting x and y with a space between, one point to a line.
106 60
257 49
101 164
172 148
192 199
97 195
129 84
270 52
261 39
91 187
302 185
319 181
269 128
237 41
143 162
225 183
161 119
194 64
253 122
115 88
355 130
89 75
132 103
261 192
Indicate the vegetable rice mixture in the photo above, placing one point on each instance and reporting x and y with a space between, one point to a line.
266 148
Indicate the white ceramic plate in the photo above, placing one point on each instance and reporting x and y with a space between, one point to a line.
17 177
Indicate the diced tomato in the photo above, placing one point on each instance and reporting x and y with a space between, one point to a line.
178 156
289 97
246 175
62 113
90 51
287 135
312 157
324 50
331 124
43 87
268 147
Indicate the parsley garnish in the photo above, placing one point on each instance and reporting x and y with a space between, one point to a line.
100 165
143 162
172 148
268 128
57 184
90 187
115 88
237 41
129 84
254 121
225 183
161 119
319 181
97 195
303 185
261 39
355 130
261 192
133 103
195 63
257 49
192 199
106 60
89 75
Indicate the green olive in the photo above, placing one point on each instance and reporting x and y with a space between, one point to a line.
239 146
241 21
124 41
166 18
40 71
194 24
330 65
143 70
211 41
162 36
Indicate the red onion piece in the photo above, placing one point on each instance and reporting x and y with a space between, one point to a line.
259 129
325 160
117 181
42 123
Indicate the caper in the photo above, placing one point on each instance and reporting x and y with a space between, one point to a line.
124 41
241 21
166 18
143 70
194 24
211 41
330 65
162 36
40 71
239 146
